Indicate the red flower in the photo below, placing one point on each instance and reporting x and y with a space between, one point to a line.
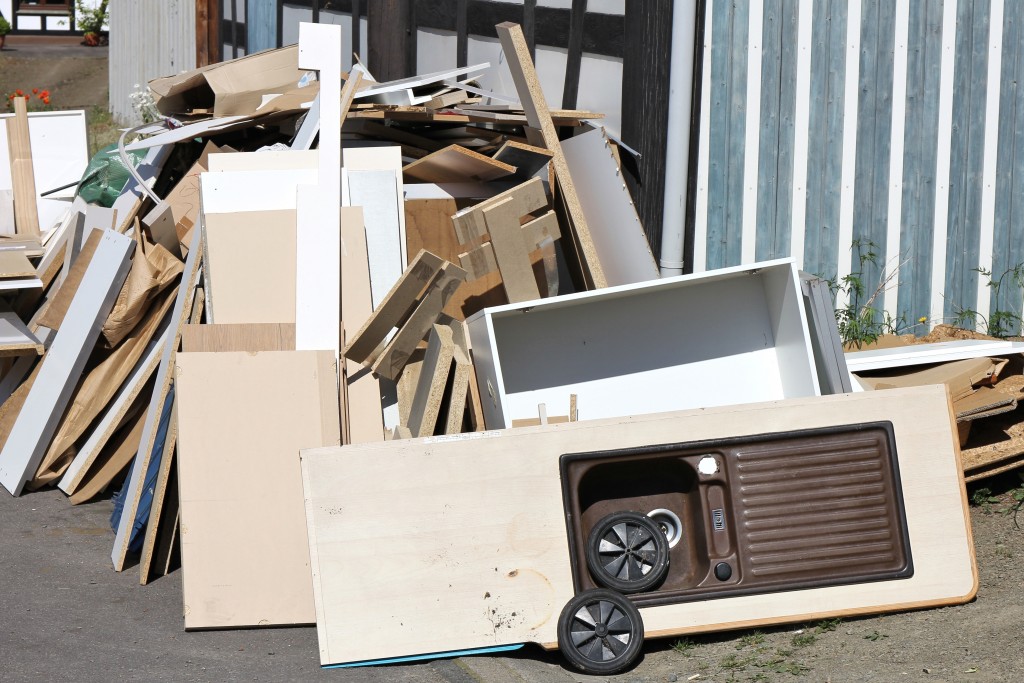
45 93
46 100
35 91
19 93
13 96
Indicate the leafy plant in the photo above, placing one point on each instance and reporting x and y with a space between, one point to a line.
827 625
875 636
5 27
684 646
1002 322
91 19
859 322
804 639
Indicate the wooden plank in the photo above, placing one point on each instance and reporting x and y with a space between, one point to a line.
406 388
615 227
455 164
14 264
179 316
26 213
114 416
245 557
433 377
163 228
574 57
391 361
511 252
539 117
362 389
60 301
448 99
527 198
64 362
456 501
394 307
250 266
527 159
167 535
251 337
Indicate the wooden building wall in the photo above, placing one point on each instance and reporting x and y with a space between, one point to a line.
826 123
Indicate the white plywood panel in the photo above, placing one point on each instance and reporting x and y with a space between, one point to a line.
60 153
484 534
64 361
377 192
244 552
733 335
271 190
268 160
615 228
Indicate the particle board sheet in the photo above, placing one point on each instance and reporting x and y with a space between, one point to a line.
251 337
484 535
64 362
455 164
243 544
60 154
250 266
618 236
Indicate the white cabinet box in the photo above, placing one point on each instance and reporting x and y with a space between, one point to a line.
735 335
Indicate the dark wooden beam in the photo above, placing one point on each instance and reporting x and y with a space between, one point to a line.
462 33
530 26
645 73
207 32
574 59
391 40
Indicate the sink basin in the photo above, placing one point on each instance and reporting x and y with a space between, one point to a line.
754 514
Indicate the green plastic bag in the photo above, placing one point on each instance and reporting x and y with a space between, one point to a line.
105 176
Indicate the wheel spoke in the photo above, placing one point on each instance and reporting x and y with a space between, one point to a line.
640 537
609 546
646 556
607 610
581 637
593 650
584 615
617 644
619 624
621 530
616 565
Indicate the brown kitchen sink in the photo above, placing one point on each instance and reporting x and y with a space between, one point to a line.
755 514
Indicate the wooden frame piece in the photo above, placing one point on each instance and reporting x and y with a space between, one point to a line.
133 490
364 346
461 376
513 43
527 198
486 534
64 362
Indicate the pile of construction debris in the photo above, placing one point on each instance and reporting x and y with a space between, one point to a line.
399 271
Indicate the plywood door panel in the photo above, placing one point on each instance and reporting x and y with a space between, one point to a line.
244 553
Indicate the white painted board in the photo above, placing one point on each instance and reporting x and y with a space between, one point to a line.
64 361
615 228
919 354
264 161
265 190
736 335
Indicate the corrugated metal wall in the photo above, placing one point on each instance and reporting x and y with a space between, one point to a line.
895 122
148 39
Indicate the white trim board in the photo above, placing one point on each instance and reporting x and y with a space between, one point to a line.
377 192
919 354
63 364
270 160
263 190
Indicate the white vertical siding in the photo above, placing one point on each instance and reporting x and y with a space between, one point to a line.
148 39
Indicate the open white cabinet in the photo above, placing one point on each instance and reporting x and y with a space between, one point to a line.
735 335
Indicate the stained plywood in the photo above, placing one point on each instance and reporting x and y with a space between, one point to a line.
244 552
485 533
251 337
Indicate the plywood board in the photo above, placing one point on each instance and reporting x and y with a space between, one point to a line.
251 337
14 264
618 237
231 191
511 252
362 388
64 362
455 164
433 377
250 266
485 533
244 553
266 160
514 45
